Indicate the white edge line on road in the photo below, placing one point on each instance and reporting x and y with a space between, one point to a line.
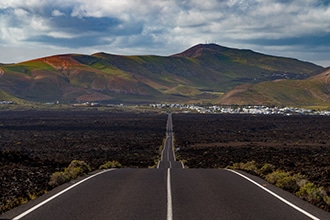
161 155
275 195
56 195
169 197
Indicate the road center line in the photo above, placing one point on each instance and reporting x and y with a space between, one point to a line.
57 195
169 197
277 196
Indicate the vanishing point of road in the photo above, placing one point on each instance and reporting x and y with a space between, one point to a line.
168 192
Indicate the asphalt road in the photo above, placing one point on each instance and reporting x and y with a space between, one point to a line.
169 192
168 159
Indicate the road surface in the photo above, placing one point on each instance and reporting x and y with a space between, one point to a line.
169 192
168 159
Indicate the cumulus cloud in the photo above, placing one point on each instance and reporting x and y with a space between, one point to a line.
56 13
167 26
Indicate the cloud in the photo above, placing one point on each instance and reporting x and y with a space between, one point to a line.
56 13
167 26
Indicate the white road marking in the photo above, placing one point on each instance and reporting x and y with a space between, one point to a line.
169 197
169 146
57 195
277 196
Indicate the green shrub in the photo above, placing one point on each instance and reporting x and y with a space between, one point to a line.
248 166
235 166
284 180
275 176
288 183
75 169
266 169
311 192
327 199
58 178
110 164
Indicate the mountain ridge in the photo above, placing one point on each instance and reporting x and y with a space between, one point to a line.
202 73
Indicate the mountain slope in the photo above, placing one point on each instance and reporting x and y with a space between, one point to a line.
220 56
310 92
201 73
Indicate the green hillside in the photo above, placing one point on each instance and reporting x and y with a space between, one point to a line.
313 92
202 73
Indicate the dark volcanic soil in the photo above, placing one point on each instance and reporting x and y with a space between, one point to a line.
34 144
292 143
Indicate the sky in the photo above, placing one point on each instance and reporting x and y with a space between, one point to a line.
31 29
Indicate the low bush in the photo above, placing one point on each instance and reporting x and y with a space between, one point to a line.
327 199
250 166
284 180
266 169
58 178
75 169
110 164
312 193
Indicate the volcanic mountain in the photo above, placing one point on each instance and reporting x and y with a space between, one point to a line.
203 73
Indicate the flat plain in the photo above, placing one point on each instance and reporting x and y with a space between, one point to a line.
35 144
